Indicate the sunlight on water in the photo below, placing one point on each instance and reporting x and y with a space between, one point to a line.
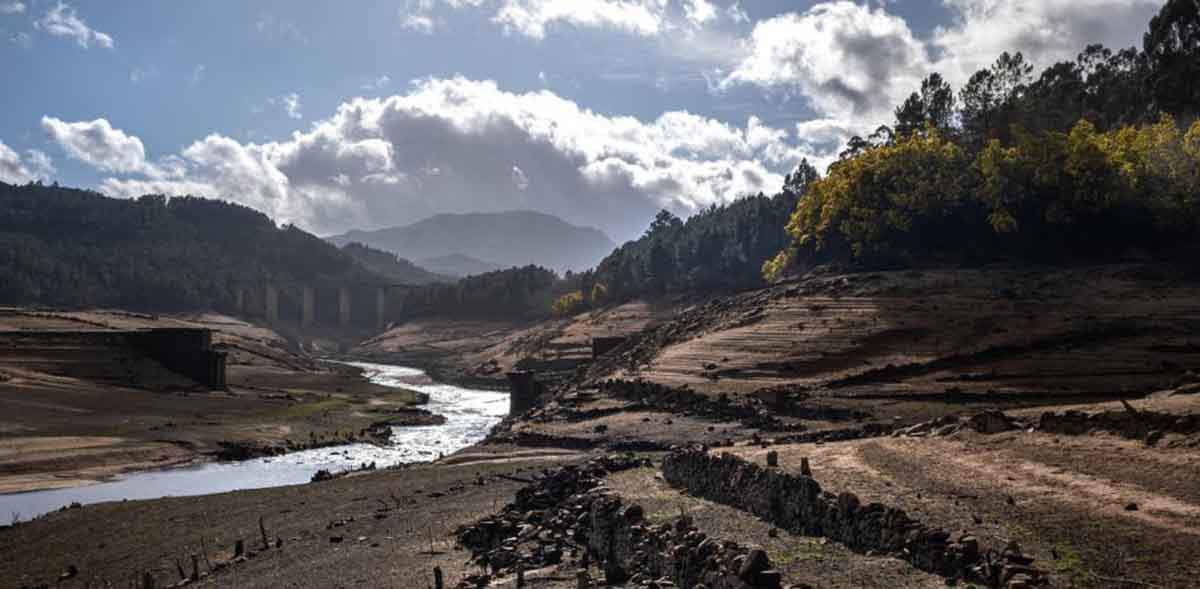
470 413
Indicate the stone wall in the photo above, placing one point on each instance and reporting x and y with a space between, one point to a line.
799 505
568 511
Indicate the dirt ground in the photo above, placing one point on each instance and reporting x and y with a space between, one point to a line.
382 529
72 419
864 354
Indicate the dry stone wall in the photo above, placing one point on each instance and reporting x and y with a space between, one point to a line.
799 505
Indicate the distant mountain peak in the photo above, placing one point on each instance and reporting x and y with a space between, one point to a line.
489 241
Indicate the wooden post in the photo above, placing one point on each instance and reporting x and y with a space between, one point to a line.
148 581
262 529
437 578
772 458
520 575
582 579
239 548
804 469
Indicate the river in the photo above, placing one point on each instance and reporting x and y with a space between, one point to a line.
470 413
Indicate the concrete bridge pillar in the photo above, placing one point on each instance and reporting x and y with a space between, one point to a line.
524 390
308 309
271 303
344 306
380 308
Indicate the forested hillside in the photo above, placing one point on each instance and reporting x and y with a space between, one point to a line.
76 248
1093 159
393 267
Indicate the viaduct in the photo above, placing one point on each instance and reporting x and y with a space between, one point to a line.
344 305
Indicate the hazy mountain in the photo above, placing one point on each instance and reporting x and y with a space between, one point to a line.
513 238
394 267
458 265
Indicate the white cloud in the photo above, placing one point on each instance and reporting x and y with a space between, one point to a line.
378 83
456 145
12 7
14 170
62 21
1046 31
420 23
532 17
737 14
291 105
97 143
848 60
699 12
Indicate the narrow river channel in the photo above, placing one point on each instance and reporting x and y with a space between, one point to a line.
470 413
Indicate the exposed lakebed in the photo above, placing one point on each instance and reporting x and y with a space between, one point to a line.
469 413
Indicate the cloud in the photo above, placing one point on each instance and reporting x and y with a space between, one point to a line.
1046 31
378 83
699 12
98 144
532 17
14 170
12 7
848 60
62 21
458 145
21 39
291 103
420 23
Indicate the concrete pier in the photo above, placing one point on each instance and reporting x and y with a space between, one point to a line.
524 390
308 306
344 306
271 306
380 308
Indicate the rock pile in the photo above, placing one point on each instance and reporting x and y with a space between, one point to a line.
798 504
1134 424
569 512
683 400
1149 426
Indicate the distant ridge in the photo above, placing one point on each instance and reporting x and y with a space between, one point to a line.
458 265
514 238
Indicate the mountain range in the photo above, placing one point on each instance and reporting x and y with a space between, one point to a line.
447 243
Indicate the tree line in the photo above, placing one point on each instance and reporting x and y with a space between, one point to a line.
75 248
1094 158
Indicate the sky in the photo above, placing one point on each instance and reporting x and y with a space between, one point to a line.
369 114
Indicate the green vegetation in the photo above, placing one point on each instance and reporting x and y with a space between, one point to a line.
526 292
718 249
1088 162
77 248
391 266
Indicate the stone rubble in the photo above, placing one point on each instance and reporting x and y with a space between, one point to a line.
569 514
